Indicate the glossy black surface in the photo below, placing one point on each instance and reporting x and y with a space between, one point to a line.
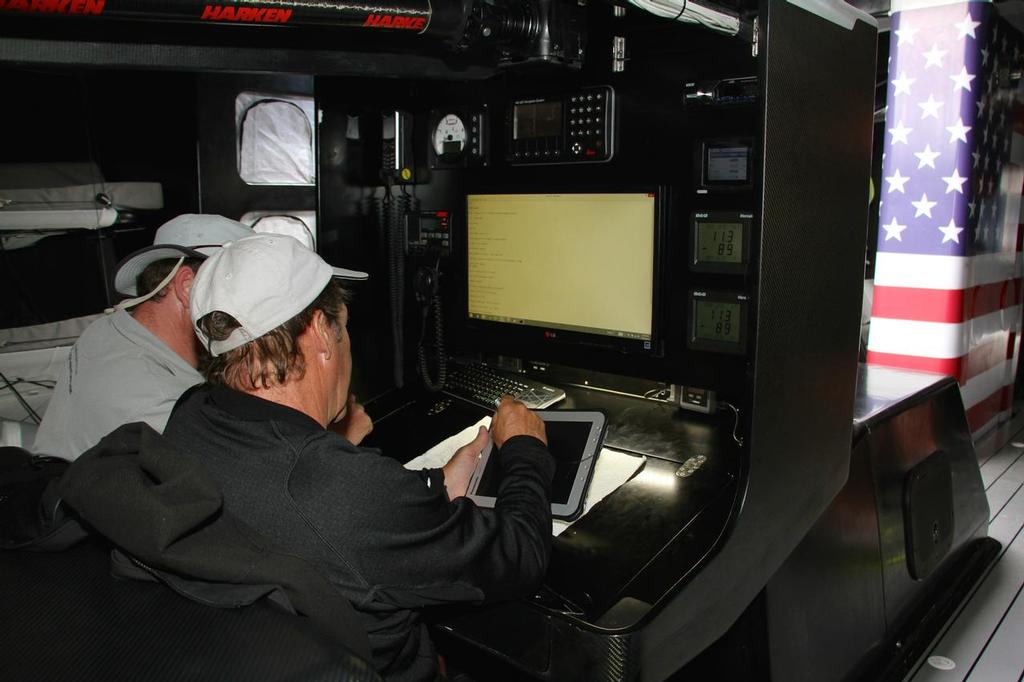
633 548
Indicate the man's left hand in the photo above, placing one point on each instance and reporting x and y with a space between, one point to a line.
354 424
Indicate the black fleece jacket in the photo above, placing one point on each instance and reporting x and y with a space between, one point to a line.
388 538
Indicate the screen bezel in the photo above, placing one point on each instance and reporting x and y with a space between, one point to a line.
524 340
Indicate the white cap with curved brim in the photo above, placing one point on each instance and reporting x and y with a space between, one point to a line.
262 281
193 235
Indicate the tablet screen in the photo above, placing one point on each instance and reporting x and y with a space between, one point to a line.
566 443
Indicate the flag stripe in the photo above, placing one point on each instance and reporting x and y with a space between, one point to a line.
924 271
981 359
944 305
937 339
988 409
983 384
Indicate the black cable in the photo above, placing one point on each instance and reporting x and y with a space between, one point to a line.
28 408
442 362
681 12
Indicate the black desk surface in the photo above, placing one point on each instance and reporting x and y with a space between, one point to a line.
610 567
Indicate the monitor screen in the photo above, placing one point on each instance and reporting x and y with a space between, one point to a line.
575 262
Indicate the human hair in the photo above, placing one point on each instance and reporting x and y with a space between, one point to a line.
274 358
155 272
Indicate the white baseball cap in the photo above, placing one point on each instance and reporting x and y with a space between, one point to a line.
262 281
192 235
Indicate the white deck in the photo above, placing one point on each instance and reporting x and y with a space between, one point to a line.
984 642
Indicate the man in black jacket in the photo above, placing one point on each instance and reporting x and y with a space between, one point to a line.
273 315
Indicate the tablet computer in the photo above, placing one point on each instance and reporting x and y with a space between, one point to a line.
574 440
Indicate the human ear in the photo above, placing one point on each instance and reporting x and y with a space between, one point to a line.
183 284
324 334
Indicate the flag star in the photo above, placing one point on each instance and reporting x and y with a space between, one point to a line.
905 34
966 27
951 233
926 157
899 133
894 230
981 105
954 182
924 207
930 108
958 131
962 79
896 182
903 83
976 156
971 205
984 56
933 57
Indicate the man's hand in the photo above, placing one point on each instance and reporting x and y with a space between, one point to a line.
460 467
354 424
513 418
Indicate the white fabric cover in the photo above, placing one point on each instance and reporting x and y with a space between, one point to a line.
275 139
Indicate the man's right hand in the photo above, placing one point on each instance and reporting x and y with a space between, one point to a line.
513 418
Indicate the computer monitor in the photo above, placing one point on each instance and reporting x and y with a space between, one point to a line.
565 266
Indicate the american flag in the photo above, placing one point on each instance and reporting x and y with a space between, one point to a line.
947 288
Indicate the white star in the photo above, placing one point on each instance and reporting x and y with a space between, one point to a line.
899 133
934 57
951 233
954 183
924 207
984 56
893 230
958 131
896 182
971 205
981 105
966 27
976 156
926 157
930 108
903 83
962 79
906 34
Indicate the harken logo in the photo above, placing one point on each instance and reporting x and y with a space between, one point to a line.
393 21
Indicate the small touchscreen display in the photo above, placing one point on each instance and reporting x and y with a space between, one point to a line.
727 164
537 119
566 443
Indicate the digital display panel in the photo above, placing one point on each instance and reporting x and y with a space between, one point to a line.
537 119
717 321
727 164
719 242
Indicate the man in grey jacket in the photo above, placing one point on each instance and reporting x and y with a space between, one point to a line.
132 364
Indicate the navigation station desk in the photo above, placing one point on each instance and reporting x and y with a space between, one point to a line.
617 564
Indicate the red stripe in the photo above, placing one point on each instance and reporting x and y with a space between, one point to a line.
944 305
980 359
948 366
984 411
985 356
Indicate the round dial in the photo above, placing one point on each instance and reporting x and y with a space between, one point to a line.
450 136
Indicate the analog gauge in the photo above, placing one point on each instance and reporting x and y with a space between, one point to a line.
450 136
